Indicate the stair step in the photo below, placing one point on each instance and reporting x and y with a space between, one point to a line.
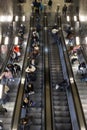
62 113
63 126
62 120
61 108
35 127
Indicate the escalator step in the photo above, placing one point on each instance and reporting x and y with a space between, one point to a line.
61 126
59 93
61 108
38 110
62 120
36 121
57 103
7 127
35 127
60 98
35 115
62 113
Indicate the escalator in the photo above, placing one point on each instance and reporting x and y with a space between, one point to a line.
36 110
81 84
60 106
51 109
9 98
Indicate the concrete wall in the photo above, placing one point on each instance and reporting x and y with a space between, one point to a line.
83 10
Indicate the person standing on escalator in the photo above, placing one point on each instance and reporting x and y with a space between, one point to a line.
64 10
55 31
50 4
36 5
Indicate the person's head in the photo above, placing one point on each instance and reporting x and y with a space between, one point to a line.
21 25
55 25
9 65
34 33
83 64
29 85
64 4
30 66
24 120
25 100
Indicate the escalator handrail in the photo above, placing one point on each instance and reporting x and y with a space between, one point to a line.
47 78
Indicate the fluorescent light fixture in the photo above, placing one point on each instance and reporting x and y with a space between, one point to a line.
23 80
71 80
16 41
66 41
86 39
68 18
23 18
1 91
77 41
6 40
75 18
16 18
25 43
2 19
9 18
6 18
83 18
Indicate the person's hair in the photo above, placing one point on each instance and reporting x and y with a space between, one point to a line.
6 70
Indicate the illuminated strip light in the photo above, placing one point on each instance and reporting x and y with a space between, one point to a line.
23 80
75 18
1 91
83 18
86 39
16 18
68 18
6 40
71 80
2 18
6 18
23 18
77 41
16 41
9 18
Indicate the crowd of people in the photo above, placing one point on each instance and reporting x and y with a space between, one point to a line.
31 69
31 77
75 52
11 71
